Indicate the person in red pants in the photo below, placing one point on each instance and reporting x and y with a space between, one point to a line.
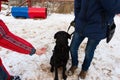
11 41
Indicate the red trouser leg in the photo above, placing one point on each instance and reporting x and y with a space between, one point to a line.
4 75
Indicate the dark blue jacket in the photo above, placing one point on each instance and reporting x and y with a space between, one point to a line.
88 18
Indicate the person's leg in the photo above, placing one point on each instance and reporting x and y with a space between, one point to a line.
75 43
89 53
4 75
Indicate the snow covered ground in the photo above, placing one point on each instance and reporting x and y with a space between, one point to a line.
40 32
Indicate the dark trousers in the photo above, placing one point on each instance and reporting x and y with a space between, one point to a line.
89 50
4 75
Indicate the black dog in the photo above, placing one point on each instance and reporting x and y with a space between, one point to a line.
60 53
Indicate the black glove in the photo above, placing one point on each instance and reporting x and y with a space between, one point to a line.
73 23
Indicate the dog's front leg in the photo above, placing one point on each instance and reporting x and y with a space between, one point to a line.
52 68
56 73
63 73
52 64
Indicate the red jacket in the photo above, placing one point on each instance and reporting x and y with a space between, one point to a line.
10 41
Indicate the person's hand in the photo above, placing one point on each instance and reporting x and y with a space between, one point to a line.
40 51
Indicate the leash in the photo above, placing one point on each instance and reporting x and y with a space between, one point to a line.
71 24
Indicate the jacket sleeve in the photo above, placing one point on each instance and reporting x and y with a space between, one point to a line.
10 41
77 7
112 6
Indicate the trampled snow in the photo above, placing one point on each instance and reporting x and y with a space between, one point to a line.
40 33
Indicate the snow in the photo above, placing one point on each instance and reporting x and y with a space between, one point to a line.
40 33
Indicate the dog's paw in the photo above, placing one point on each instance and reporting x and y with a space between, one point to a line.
64 77
56 79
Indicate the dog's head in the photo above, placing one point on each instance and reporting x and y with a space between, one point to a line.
62 37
